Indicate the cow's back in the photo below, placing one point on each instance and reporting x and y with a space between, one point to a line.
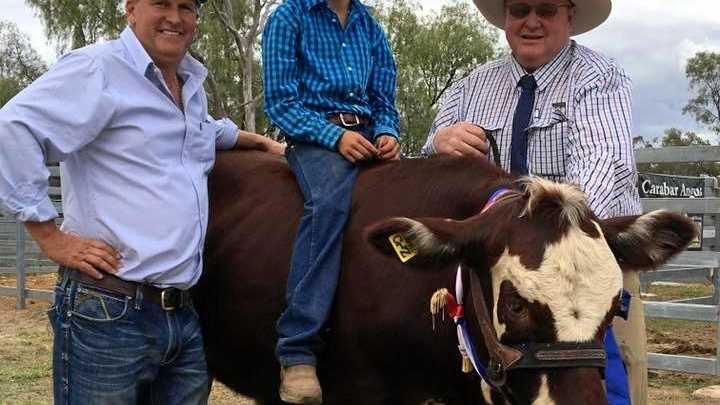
379 335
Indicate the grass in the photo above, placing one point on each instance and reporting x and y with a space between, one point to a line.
685 382
674 336
25 353
669 293
25 358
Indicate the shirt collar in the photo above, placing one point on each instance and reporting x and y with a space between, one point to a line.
310 4
546 73
189 67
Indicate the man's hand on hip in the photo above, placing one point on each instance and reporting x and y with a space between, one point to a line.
388 147
92 257
355 148
461 139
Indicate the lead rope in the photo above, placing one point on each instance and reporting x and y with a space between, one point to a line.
494 148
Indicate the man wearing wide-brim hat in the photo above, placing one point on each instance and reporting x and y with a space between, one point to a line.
558 110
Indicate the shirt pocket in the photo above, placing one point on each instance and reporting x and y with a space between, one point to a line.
547 146
203 144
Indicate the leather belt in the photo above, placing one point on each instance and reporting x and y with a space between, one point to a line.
348 120
168 298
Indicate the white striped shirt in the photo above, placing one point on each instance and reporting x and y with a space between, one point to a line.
580 131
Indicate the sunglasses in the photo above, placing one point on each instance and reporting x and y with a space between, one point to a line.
542 10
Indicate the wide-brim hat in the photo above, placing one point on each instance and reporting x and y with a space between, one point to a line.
588 13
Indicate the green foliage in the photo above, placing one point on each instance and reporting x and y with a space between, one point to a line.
228 39
703 70
222 61
20 64
432 52
75 23
675 137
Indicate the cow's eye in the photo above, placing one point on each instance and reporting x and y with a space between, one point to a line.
517 307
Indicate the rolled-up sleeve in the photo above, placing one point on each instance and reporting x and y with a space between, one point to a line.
58 114
226 132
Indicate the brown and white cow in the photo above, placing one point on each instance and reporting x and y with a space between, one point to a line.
555 272
548 269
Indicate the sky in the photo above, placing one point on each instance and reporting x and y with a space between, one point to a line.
650 39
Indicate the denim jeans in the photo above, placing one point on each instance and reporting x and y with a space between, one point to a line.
113 349
326 180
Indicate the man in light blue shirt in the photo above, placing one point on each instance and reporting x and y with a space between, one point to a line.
128 121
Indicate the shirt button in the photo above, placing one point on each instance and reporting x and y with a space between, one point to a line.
349 68
351 94
344 45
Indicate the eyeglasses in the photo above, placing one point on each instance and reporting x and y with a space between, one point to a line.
542 10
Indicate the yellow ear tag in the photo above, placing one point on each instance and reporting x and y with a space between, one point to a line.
404 250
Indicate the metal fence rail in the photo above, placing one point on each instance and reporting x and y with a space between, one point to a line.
690 310
20 255
698 266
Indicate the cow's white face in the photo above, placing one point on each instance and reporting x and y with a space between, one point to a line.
578 280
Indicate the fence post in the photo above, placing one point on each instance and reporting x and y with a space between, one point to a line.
716 296
20 264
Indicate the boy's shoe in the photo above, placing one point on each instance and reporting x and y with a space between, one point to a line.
299 385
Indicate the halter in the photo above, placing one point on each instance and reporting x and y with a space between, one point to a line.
504 358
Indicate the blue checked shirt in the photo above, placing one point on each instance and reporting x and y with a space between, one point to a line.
313 67
134 166
580 131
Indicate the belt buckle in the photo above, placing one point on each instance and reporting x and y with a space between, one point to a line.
346 124
163 294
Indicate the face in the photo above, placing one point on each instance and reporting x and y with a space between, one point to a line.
165 28
554 274
536 39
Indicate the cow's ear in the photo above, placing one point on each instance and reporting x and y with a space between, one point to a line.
422 241
647 241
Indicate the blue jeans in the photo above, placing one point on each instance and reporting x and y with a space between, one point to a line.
113 349
326 180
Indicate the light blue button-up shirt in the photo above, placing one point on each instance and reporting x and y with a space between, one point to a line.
134 167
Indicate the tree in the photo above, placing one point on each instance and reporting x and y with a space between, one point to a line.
20 64
675 137
73 24
703 70
227 43
432 52
229 38
639 142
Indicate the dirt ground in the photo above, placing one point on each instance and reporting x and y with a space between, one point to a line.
26 344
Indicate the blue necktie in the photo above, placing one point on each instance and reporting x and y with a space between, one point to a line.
521 120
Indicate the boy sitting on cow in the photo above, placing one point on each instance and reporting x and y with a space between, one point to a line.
330 81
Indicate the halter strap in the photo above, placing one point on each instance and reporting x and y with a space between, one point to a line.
495 197
503 358
509 355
